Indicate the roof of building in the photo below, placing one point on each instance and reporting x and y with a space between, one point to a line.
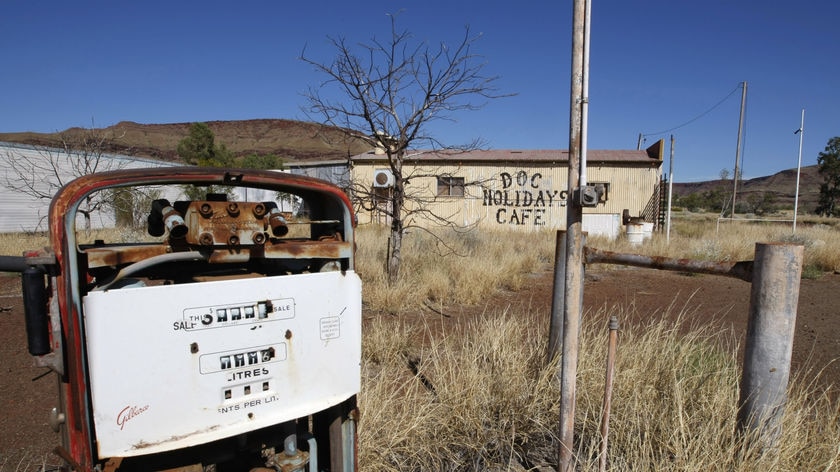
28 151
650 156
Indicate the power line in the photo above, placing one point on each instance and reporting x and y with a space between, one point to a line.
696 117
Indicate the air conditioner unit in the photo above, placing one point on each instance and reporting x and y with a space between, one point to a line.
383 178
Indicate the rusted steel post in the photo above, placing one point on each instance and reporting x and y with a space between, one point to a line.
740 270
769 342
555 326
608 384
573 290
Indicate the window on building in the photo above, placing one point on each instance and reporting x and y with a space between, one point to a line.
450 186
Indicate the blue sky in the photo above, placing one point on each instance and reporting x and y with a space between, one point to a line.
655 65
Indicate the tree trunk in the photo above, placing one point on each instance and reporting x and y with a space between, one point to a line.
88 226
395 240
395 256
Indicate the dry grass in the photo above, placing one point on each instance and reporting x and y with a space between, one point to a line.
474 264
450 267
27 462
14 244
482 398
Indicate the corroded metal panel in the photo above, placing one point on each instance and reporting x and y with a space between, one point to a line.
189 364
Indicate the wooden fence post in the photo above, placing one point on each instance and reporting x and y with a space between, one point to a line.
772 318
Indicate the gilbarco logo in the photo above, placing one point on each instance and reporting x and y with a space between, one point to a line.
129 413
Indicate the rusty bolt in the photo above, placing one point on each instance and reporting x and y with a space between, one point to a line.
259 210
194 348
233 209
288 334
258 238
206 239
206 210
233 240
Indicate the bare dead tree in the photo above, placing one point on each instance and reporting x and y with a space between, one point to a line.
40 174
390 91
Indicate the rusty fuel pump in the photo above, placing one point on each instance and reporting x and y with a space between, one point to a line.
228 338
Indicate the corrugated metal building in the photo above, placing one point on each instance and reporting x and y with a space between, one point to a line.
517 190
47 169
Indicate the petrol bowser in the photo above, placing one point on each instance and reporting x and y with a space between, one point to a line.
227 339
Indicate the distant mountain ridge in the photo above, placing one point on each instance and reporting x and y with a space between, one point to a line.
781 185
289 139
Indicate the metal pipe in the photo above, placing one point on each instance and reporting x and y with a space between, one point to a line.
163 217
13 264
313 454
769 343
348 427
174 223
800 132
608 384
279 225
738 145
152 261
584 94
670 193
739 270
35 300
555 327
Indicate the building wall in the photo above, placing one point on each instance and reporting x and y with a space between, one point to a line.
49 169
521 195
335 172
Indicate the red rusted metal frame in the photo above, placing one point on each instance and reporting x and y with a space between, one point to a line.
325 249
74 391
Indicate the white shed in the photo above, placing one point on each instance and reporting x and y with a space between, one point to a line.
46 170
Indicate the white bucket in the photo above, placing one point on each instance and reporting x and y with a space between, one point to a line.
635 233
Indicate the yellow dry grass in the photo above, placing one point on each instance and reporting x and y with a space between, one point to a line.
482 397
448 267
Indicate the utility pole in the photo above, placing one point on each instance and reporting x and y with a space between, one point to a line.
738 145
573 289
670 193
800 132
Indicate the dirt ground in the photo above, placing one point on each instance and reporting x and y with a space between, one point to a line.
27 395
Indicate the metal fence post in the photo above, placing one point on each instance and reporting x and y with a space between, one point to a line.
612 347
772 318
558 300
